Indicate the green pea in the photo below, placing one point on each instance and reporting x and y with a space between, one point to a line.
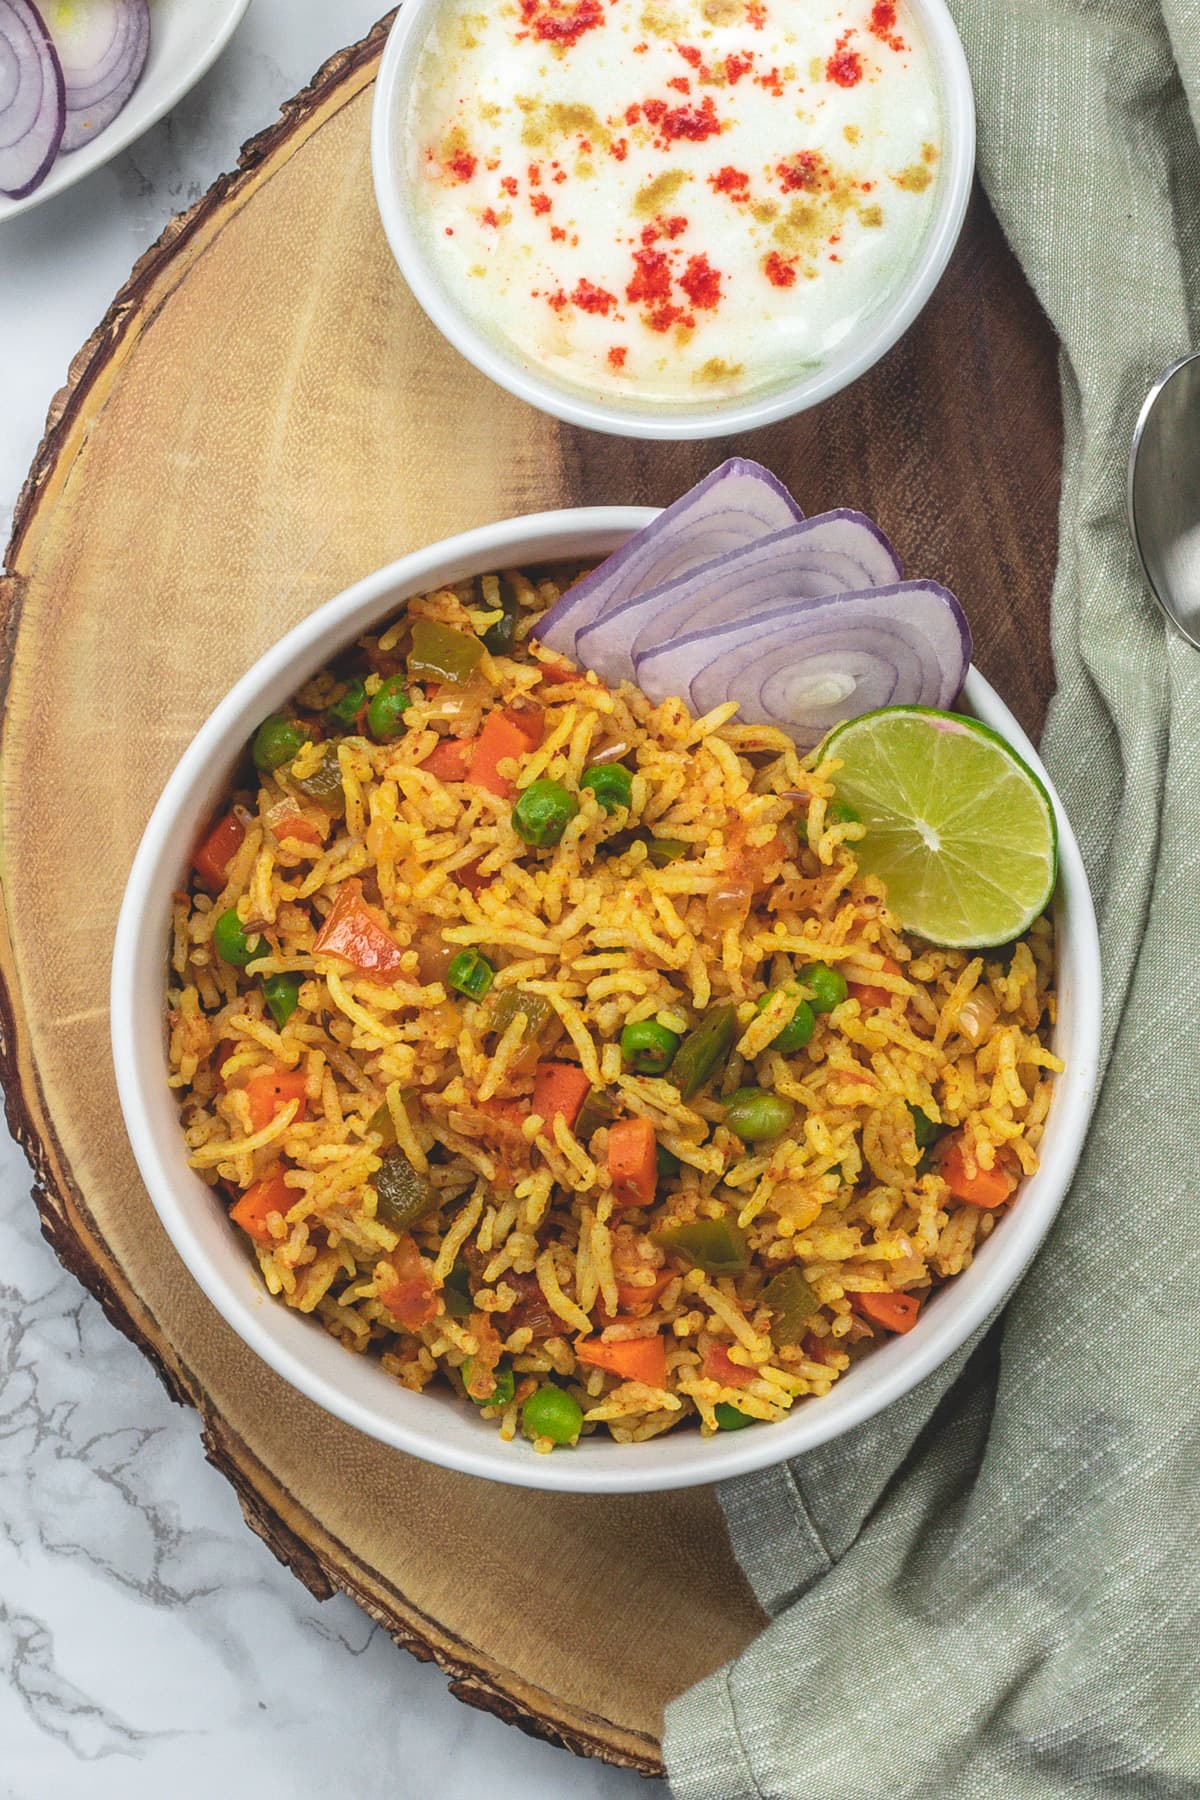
385 715
611 783
344 712
543 811
924 1129
662 851
648 1047
797 1032
231 943
668 1166
282 995
828 986
756 1116
501 1394
552 1413
277 741
470 973
838 812
730 1419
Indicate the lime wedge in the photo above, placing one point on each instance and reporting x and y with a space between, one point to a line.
959 828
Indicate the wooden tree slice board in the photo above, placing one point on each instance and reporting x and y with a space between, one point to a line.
263 417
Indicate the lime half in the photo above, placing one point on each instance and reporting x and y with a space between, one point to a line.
959 828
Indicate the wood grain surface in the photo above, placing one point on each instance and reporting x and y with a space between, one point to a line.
262 417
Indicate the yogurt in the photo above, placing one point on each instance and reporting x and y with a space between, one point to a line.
672 201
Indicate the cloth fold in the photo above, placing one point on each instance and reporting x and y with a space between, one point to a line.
993 1588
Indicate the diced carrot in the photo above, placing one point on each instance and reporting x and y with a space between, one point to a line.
450 760
353 933
213 857
294 825
411 1298
895 1312
986 1188
637 1359
719 1366
269 1094
529 719
635 1302
632 1153
270 1195
556 672
559 1088
872 998
505 734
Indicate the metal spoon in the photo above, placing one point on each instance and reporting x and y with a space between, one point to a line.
1164 493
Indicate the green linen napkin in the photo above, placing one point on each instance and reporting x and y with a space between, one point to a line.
994 1588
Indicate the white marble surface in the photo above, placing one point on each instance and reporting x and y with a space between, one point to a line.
149 1644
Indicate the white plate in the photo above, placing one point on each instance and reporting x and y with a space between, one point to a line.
186 38
436 1425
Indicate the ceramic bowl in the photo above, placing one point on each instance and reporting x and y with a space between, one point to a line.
521 376
186 38
437 1425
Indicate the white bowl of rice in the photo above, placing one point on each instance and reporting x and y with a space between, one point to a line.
437 1424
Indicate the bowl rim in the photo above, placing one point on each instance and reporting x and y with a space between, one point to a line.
577 407
596 1466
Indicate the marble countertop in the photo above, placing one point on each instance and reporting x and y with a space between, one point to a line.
150 1645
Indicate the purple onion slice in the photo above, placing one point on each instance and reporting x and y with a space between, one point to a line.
833 553
103 47
32 108
737 504
808 665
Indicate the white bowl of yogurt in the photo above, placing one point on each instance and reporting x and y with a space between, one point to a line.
673 218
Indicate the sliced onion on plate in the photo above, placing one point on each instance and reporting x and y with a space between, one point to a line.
737 504
833 553
32 107
806 666
103 46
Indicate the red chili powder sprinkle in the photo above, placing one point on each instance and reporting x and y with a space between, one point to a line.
737 66
640 49
731 181
617 355
561 21
534 174
652 277
702 283
778 271
844 66
492 163
674 225
560 177
462 165
806 172
632 114
882 24
663 317
449 231
589 298
541 203
680 83
488 217
509 184
690 54
692 123
756 14
619 148
771 83
557 234
557 300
